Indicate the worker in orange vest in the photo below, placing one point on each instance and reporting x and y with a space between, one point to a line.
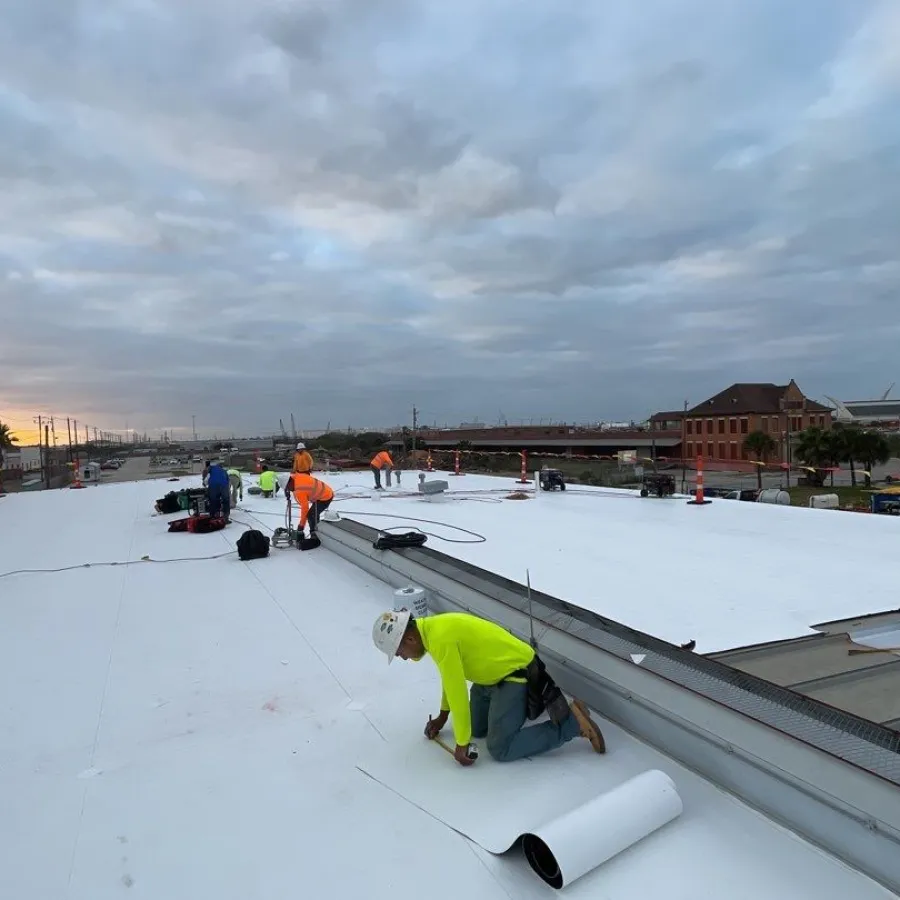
382 461
313 497
303 462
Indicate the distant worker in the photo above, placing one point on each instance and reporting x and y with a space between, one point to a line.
268 483
382 461
503 671
303 462
217 484
313 496
236 483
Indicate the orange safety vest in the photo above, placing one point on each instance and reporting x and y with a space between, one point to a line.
308 490
303 462
382 459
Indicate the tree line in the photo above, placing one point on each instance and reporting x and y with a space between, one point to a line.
823 450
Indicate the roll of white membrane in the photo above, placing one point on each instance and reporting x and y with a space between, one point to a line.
566 848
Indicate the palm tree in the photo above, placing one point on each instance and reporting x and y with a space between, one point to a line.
7 439
813 447
762 446
873 449
834 447
848 447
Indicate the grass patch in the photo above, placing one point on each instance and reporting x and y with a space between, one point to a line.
849 496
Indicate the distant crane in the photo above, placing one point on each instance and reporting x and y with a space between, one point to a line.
281 426
293 427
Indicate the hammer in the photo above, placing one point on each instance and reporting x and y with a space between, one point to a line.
471 750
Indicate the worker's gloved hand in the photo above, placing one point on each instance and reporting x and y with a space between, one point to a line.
434 726
461 755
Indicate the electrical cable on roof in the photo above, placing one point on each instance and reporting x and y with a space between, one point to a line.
126 562
479 538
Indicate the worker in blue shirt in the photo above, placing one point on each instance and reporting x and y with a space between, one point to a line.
217 486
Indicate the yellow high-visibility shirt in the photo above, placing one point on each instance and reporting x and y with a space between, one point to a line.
467 648
267 481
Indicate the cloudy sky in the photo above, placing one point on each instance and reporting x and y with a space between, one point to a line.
240 209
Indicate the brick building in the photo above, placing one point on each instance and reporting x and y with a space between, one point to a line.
716 429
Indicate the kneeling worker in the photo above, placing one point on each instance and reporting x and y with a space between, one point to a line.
499 665
314 497
268 483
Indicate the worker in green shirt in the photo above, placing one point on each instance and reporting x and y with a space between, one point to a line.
502 670
236 483
268 483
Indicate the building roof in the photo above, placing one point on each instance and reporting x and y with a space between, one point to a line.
749 398
603 567
191 725
670 416
874 409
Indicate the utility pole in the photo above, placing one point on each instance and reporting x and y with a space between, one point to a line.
415 426
40 424
53 431
69 430
75 460
194 426
87 437
47 444
684 448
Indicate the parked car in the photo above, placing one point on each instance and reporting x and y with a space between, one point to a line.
748 494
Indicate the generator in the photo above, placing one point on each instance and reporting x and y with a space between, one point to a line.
199 504
658 484
552 480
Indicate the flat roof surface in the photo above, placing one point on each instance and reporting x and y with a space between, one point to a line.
189 728
728 574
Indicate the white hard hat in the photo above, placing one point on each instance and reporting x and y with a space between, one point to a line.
388 631
301 446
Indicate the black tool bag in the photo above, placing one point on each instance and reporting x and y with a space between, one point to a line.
252 544
168 504
543 694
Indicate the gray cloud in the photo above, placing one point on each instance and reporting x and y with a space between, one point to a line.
343 209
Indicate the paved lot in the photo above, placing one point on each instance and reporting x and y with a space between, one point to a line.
776 479
137 468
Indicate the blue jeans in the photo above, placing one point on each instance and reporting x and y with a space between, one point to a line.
219 500
377 473
498 713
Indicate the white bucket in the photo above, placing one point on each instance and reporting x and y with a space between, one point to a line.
413 599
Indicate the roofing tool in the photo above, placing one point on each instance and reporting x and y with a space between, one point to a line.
471 750
287 536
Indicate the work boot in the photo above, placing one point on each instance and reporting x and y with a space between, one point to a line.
587 727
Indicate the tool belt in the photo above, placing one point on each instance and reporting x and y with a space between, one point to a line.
542 693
